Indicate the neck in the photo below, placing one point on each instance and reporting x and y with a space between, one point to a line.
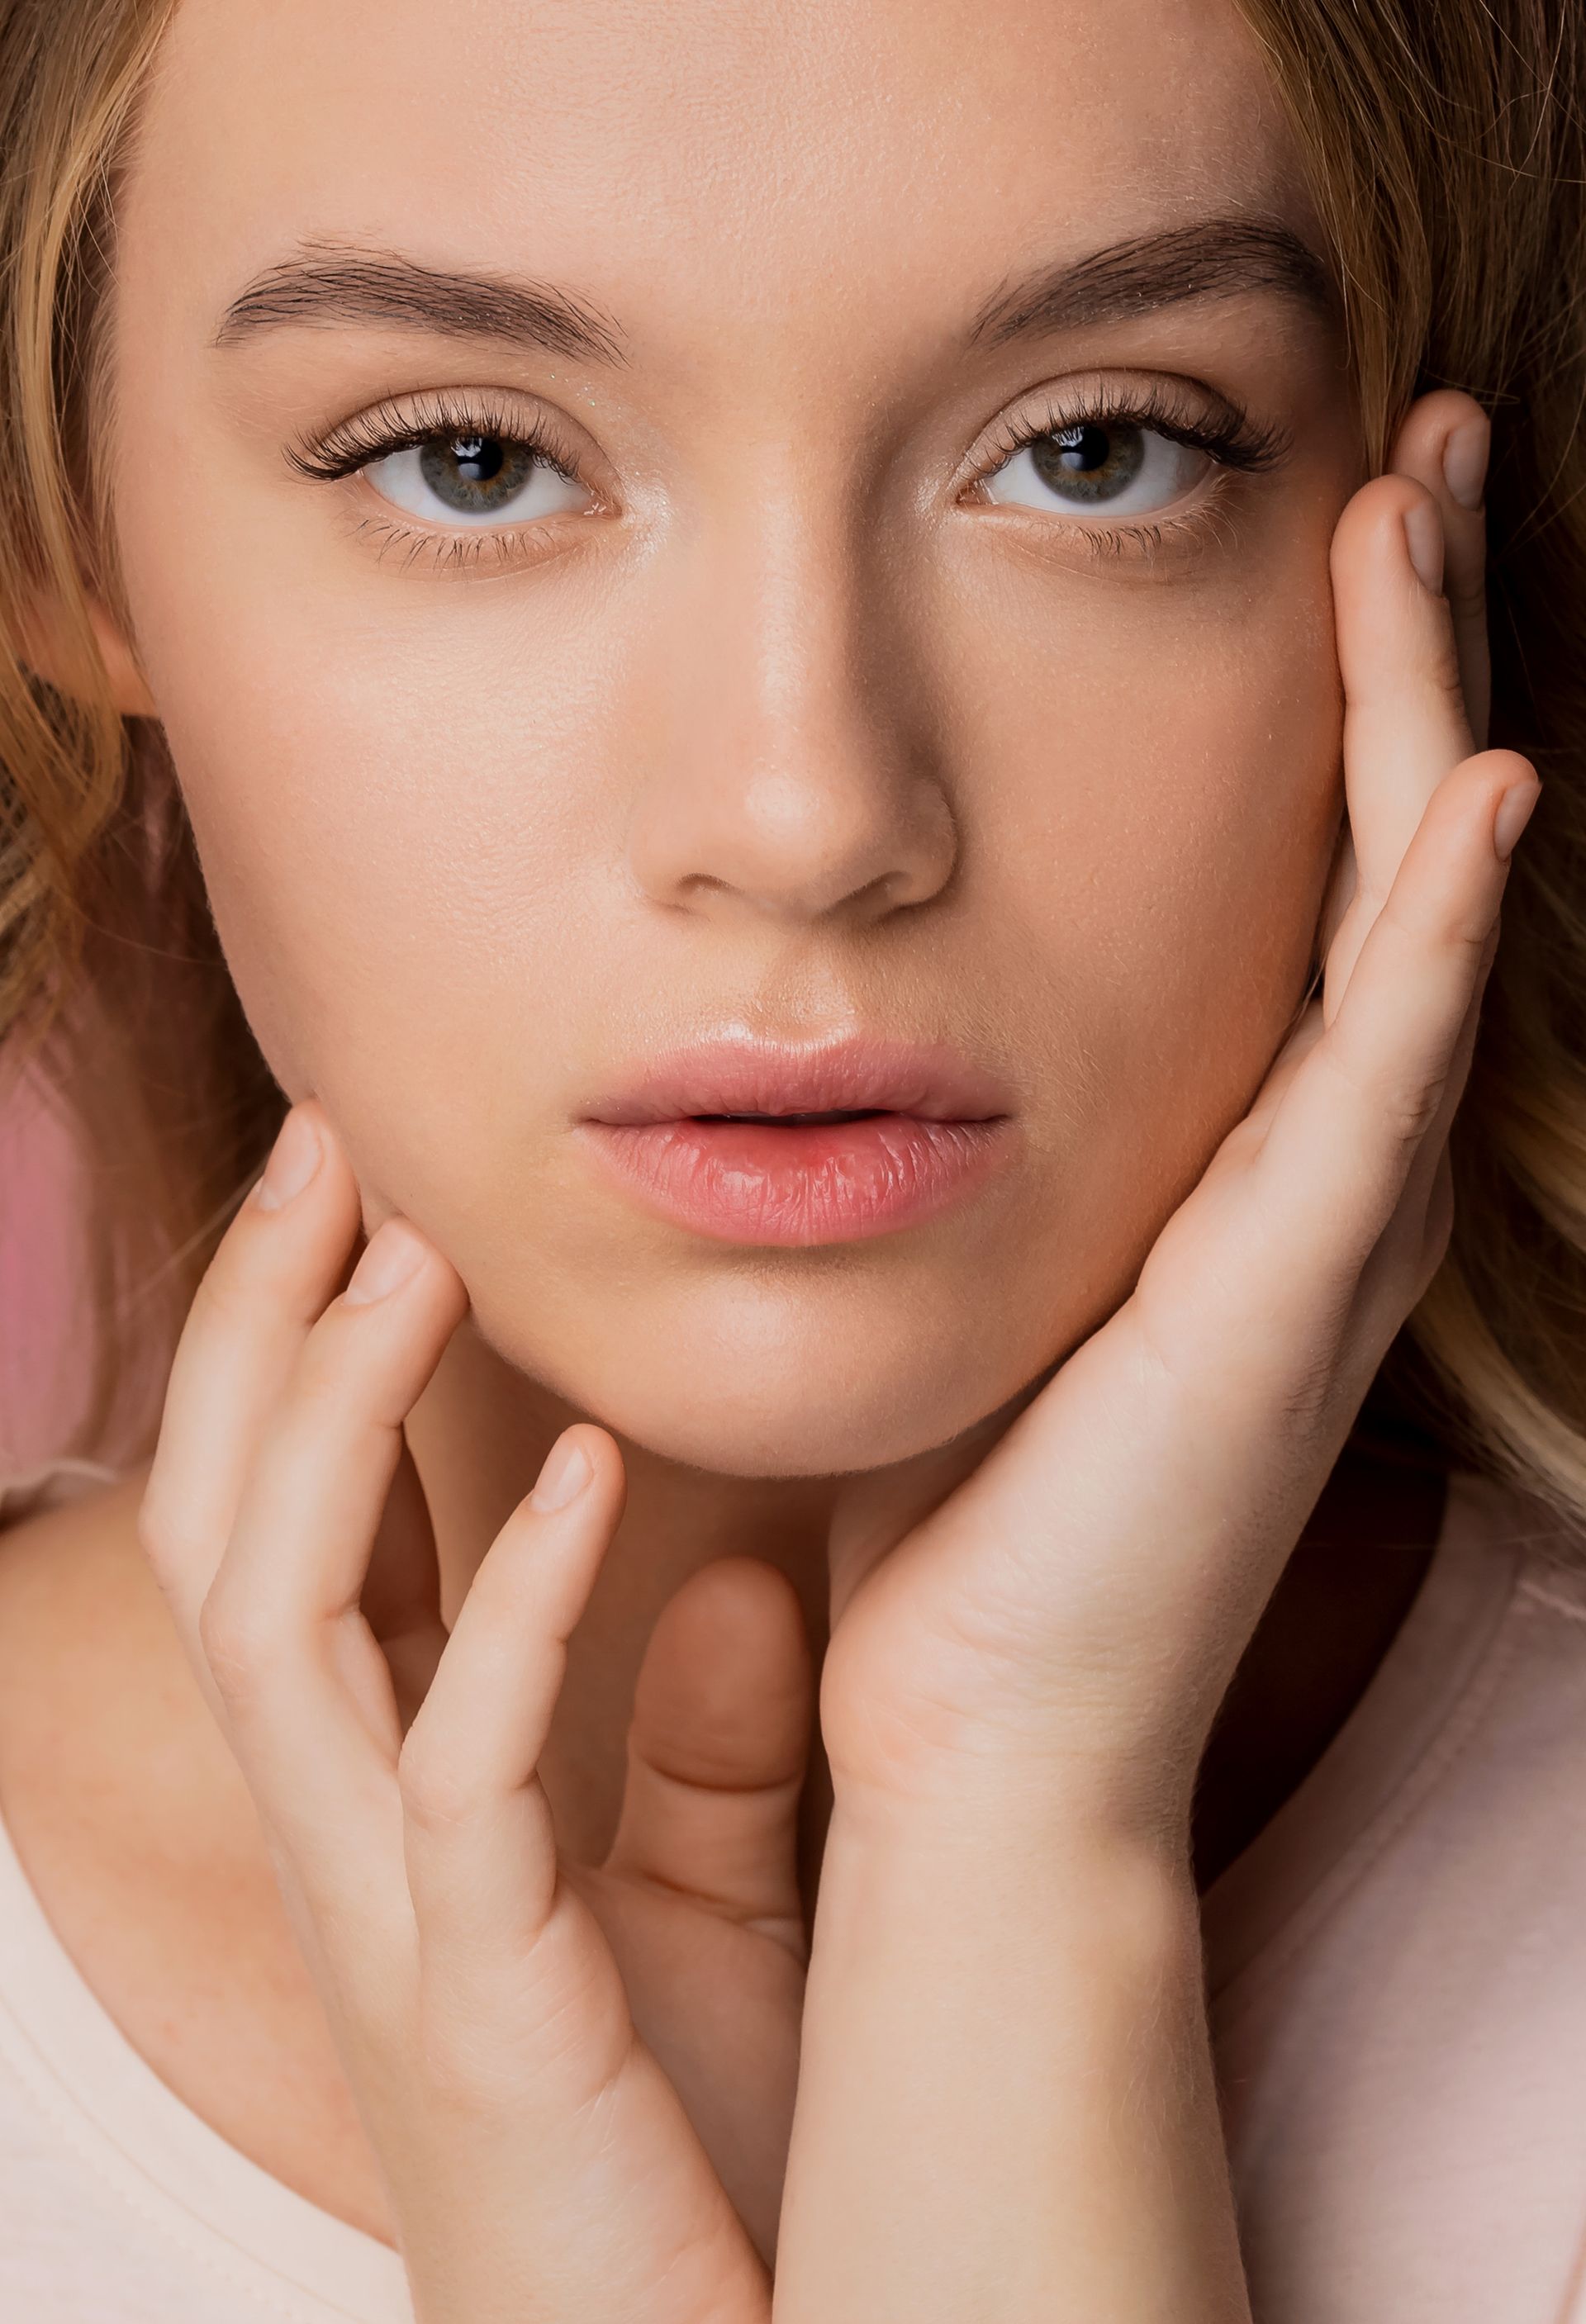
479 1435
481 1430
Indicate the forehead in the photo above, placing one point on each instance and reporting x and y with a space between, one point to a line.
802 159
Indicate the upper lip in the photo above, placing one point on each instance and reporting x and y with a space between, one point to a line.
855 1075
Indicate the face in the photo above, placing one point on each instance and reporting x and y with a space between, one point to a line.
688 574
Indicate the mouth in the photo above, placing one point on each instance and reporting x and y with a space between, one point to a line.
761 1144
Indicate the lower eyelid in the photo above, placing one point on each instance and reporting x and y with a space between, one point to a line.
509 543
432 548
1205 520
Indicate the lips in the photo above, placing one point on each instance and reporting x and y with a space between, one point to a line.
753 1143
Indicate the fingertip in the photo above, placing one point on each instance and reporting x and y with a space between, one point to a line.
1374 529
292 1162
1444 443
1518 787
727 1683
738 1598
583 1456
1466 449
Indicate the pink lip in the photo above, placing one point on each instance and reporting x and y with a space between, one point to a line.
936 1127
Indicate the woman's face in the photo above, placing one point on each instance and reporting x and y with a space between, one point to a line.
903 680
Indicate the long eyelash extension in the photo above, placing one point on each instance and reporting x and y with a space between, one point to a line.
1227 433
374 435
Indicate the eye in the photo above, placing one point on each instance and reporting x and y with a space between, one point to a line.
473 478
1116 468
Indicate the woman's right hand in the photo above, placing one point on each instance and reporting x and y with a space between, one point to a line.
539 2159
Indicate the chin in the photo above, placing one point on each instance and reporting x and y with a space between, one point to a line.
763 1382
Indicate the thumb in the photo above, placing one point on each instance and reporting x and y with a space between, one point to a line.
718 1746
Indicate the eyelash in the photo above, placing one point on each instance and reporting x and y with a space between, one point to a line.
371 435
387 427
1231 437
1237 442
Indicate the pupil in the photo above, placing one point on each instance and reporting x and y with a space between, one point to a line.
1082 449
475 473
478 457
1090 461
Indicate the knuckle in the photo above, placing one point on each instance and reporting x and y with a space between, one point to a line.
1308 1396
1443 667
239 1647
1466 591
344 1372
437 1796
1407 1111
225 1301
170 1546
461 2066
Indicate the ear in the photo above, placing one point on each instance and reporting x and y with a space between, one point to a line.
53 650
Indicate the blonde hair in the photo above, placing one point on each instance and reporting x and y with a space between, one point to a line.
1446 150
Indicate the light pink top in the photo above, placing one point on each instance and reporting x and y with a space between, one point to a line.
1398 1967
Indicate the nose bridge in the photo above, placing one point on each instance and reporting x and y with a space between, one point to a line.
789 775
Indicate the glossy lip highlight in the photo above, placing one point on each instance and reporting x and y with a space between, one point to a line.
930 1128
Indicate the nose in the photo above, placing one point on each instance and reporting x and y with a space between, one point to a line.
791 776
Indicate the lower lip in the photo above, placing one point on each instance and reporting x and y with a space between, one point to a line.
816 1182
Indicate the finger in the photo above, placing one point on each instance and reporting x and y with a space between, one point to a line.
400 1597
308 1697
1444 444
281 1259
1416 1241
1405 723
1344 1141
480 1853
717 1749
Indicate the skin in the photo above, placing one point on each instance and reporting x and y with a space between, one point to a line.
786 733
795 740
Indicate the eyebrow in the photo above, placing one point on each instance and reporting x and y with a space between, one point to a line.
1212 258
337 285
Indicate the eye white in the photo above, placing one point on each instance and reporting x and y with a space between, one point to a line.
1099 468
431 480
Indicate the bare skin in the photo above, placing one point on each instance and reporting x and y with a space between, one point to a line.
136 1829
736 746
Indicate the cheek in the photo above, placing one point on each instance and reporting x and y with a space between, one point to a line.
413 822
389 809
1162 837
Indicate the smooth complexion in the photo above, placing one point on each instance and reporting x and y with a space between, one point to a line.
815 715
795 708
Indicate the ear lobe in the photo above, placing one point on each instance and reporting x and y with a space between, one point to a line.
51 653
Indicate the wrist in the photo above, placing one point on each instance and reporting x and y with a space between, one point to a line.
1006 2076
1014 1887
1058 1809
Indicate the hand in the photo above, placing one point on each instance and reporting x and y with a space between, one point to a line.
1084 1595
1006 2104
537 2155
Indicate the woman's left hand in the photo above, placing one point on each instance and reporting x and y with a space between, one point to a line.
1006 1983
1086 1592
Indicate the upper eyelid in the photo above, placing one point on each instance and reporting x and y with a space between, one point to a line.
383 427
1230 433
452 410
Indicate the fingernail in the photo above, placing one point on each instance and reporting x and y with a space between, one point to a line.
393 1254
294 1157
1424 540
1514 813
568 1469
1464 462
